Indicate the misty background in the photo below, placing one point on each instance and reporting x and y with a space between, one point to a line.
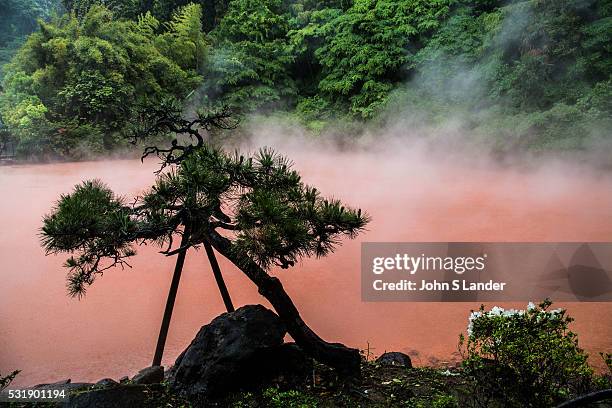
496 76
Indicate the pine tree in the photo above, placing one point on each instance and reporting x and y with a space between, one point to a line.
254 210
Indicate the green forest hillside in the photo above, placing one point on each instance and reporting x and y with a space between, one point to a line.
531 75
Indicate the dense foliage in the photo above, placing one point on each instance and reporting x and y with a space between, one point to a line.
275 218
516 74
75 84
536 73
524 358
366 50
17 20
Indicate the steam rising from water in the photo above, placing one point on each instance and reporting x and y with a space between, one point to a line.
413 193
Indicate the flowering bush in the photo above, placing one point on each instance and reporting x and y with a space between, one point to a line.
523 358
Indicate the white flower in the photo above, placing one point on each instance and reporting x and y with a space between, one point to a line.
512 312
530 306
496 311
473 316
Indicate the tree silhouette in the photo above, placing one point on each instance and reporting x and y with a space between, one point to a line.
253 210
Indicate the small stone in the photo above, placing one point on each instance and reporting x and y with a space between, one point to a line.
122 396
149 375
106 382
66 385
395 359
48 385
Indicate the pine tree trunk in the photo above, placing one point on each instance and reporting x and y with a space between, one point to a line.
176 278
227 300
335 355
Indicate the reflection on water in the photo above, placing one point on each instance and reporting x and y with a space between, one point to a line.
112 331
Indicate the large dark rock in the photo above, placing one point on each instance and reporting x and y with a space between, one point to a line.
66 385
106 382
106 393
286 363
236 350
395 359
120 396
149 375
58 383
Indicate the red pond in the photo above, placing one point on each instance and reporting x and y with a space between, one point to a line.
112 331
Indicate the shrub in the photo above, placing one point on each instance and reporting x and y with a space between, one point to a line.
523 358
444 401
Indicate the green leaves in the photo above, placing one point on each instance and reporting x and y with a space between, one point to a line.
280 219
326 62
95 73
250 61
275 217
17 20
184 42
272 217
364 50
94 223
524 358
